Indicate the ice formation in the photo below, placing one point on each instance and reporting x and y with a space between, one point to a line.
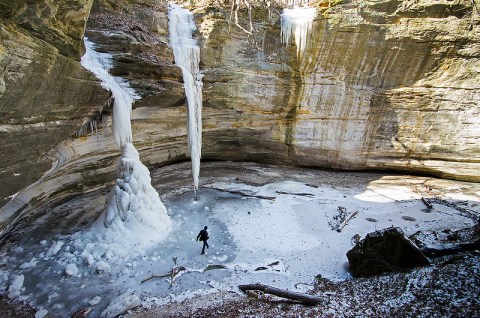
297 22
15 288
187 57
134 218
123 95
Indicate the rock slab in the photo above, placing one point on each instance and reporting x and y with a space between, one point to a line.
384 251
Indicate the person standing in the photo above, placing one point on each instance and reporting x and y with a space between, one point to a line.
203 236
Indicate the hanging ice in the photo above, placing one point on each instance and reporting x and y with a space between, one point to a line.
187 57
134 217
123 95
297 21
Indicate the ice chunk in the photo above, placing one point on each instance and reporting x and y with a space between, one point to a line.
102 266
55 248
32 263
3 280
95 300
120 305
41 313
88 259
15 288
71 270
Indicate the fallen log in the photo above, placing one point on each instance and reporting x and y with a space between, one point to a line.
302 298
155 276
432 252
296 193
175 272
348 218
214 266
172 274
242 193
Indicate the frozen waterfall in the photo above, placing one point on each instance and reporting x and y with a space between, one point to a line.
134 217
297 21
123 95
187 57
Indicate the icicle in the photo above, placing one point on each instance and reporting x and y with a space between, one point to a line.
297 21
187 57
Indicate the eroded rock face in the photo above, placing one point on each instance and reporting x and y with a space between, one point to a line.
398 93
382 85
45 94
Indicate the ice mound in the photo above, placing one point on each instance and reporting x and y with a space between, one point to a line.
134 218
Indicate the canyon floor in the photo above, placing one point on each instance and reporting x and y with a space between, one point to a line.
267 224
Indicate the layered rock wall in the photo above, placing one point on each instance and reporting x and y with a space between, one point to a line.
45 94
382 85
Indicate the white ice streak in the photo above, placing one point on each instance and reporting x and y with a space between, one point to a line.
297 21
187 56
123 95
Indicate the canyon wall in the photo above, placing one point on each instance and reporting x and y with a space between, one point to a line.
383 84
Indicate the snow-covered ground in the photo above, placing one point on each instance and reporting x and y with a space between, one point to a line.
275 218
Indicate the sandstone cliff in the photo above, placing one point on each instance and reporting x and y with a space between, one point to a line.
384 84
45 94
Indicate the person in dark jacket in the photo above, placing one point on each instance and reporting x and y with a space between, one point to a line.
203 236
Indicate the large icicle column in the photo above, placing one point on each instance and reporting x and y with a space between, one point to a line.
297 22
187 56
134 217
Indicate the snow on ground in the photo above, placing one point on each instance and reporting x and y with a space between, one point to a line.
264 218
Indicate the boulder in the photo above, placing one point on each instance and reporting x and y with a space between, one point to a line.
384 251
